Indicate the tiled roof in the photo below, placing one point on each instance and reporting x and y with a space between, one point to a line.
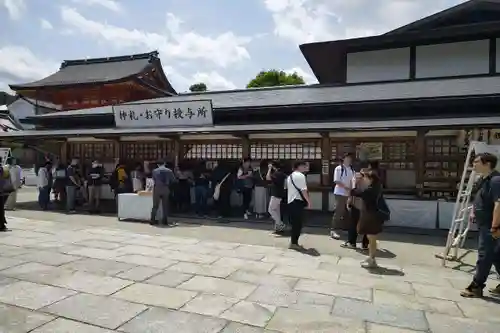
97 70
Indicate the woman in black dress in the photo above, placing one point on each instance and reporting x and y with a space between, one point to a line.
371 219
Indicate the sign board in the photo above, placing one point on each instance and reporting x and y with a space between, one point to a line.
368 151
164 114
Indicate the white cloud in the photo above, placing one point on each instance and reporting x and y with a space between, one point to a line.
303 21
19 64
212 79
108 4
15 8
46 24
222 50
306 75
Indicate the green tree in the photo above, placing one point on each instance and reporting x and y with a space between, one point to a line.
273 78
198 87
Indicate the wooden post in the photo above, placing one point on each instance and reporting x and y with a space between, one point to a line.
420 161
64 153
177 151
326 175
245 145
117 150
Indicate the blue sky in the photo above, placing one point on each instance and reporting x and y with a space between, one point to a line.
223 43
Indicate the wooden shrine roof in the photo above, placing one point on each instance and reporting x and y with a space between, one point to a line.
98 70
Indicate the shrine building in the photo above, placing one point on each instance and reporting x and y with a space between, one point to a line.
411 98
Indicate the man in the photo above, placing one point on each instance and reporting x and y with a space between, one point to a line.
486 213
72 185
298 199
342 177
44 185
163 178
95 176
277 179
15 177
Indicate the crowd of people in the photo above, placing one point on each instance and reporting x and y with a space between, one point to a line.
359 202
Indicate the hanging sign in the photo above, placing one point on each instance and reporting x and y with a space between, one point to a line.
164 114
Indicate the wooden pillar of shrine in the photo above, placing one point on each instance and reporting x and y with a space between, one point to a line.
116 150
64 153
245 145
420 161
326 175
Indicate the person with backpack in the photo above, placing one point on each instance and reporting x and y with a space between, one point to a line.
342 177
373 214
486 214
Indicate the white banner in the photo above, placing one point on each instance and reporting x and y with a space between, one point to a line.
166 114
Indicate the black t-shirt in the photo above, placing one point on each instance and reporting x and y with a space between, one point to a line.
278 184
95 176
488 192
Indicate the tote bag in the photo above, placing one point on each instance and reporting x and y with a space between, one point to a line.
217 188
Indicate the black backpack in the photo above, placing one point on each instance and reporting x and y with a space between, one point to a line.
343 170
113 180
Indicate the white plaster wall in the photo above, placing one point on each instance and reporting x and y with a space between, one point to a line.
383 65
452 59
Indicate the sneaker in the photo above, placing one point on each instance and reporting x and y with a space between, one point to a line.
348 245
245 216
369 263
495 291
334 235
472 291
4 229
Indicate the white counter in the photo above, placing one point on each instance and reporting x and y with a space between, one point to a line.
132 206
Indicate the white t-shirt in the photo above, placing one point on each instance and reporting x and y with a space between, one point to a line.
300 181
343 174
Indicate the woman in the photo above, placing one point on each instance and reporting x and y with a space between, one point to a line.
183 193
371 220
260 200
354 207
201 189
222 176
245 185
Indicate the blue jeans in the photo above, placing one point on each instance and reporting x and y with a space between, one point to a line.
201 199
70 198
44 197
488 254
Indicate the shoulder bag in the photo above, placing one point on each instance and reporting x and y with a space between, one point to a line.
304 201
217 187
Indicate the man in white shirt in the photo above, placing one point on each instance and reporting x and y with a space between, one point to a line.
297 199
342 177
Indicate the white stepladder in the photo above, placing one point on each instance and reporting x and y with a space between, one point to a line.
460 223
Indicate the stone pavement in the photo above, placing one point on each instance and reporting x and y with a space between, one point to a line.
69 277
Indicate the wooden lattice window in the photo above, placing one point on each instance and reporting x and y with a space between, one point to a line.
224 151
286 151
442 146
340 149
92 150
146 151
398 155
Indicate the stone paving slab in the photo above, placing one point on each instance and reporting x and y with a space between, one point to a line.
118 278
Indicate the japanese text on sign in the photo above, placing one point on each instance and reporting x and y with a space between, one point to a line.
171 114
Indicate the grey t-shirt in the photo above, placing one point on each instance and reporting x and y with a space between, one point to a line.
163 177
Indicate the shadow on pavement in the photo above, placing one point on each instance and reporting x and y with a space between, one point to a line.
317 224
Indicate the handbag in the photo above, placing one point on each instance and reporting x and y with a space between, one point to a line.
304 201
217 188
383 210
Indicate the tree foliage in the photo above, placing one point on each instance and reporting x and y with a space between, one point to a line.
6 98
198 87
273 78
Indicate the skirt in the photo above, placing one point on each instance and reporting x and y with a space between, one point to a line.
260 200
369 223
